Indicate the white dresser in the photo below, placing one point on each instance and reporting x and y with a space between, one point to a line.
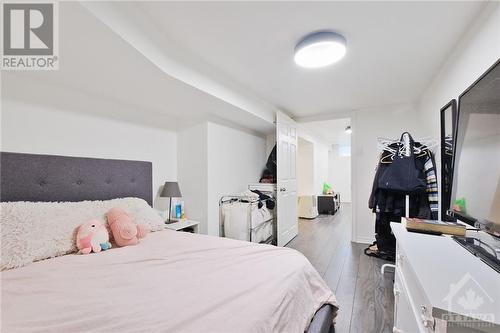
440 287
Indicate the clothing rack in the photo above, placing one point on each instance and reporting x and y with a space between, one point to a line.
388 198
385 144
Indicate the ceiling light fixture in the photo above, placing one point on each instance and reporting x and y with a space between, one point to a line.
348 130
320 49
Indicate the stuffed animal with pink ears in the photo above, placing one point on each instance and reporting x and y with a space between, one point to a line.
125 232
92 236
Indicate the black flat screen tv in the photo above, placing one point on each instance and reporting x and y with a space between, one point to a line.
476 170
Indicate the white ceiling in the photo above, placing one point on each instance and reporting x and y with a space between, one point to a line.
394 48
101 74
331 132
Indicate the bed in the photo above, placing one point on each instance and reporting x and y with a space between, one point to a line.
171 281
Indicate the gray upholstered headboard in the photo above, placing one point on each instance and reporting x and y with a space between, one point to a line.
30 177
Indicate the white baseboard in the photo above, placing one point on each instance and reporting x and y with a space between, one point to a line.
364 240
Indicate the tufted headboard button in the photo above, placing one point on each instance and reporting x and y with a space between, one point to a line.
42 183
108 180
79 182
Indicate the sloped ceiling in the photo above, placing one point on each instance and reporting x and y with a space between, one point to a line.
102 74
173 63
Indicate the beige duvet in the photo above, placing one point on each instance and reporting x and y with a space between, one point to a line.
170 282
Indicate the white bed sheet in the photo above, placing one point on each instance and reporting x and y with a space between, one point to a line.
170 282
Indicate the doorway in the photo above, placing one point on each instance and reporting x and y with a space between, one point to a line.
324 174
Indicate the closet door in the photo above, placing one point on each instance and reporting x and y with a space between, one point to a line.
286 137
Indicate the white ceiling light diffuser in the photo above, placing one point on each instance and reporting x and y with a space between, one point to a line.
320 49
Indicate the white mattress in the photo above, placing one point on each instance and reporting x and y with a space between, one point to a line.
170 282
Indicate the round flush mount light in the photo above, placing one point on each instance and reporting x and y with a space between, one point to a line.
320 49
348 130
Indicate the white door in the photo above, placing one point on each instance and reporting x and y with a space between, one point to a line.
286 139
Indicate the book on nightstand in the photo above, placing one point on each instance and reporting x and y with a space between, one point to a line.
435 227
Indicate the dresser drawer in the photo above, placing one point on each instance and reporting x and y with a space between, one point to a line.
407 281
404 318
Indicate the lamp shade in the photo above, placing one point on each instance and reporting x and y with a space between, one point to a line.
171 190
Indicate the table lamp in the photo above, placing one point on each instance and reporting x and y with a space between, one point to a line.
170 190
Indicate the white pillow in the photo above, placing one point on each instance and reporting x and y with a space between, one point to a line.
32 231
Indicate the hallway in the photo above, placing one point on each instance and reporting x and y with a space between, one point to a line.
365 296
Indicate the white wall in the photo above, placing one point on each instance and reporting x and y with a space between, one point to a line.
320 158
36 129
339 173
234 160
368 125
216 160
305 168
321 167
476 52
192 172
208 160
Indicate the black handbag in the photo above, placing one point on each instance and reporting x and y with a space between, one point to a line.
402 175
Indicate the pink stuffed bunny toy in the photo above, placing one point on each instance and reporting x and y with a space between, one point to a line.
92 236
125 232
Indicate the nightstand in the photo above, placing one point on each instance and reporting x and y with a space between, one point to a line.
184 224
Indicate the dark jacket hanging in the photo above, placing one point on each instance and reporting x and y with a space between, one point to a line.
396 177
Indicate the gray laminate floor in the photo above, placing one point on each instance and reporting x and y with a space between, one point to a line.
365 296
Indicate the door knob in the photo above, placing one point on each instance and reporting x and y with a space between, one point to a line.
282 189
